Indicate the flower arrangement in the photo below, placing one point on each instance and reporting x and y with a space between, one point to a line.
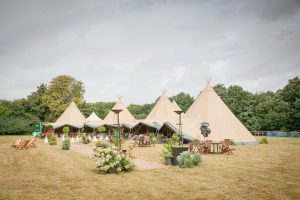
112 161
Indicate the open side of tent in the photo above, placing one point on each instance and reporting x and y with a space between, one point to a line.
125 116
208 107
70 117
93 121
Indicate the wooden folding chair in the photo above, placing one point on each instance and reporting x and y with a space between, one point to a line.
16 143
226 148
198 146
207 146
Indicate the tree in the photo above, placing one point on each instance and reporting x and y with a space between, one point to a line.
291 95
61 91
140 111
35 103
183 100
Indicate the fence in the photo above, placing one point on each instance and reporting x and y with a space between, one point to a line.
276 133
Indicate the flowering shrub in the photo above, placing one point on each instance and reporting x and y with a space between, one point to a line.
188 160
112 161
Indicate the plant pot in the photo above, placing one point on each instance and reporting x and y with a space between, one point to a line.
168 161
176 151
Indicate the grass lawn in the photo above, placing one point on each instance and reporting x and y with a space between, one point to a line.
268 171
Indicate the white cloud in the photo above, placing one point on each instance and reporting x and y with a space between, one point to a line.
137 48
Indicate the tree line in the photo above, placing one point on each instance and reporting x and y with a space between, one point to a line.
279 110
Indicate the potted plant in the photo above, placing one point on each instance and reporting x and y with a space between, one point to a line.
168 157
167 153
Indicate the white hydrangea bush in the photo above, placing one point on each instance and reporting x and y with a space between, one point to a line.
112 161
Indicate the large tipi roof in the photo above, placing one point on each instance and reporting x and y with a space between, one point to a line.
208 107
94 121
71 116
163 111
125 116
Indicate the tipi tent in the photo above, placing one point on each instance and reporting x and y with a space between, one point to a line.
93 121
125 116
208 107
163 111
71 117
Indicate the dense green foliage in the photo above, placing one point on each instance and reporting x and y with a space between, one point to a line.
140 111
278 110
183 100
66 130
61 91
101 129
100 108
265 110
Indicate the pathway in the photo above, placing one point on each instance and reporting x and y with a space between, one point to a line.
141 164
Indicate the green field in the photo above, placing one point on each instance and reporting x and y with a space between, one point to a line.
268 171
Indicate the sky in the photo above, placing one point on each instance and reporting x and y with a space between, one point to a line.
137 49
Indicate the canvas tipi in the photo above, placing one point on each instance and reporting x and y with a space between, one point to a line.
93 121
163 111
71 117
125 116
208 107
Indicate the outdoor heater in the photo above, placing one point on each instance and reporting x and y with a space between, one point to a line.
179 112
117 111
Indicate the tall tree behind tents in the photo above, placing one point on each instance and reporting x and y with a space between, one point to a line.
61 91
184 100
240 102
140 111
35 103
291 95
100 108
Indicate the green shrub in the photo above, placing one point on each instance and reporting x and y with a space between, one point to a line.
112 161
66 130
232 143
263 140
85 139
101 129
52 140
66 144
196 159
188 160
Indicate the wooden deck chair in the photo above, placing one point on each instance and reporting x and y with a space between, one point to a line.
198 146
207 146
32 143
16 143
226 148
23 144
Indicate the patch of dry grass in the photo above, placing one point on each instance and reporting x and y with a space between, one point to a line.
268 171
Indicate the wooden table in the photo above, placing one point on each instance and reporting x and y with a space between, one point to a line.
216 147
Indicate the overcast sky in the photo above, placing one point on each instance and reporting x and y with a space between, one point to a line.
135 49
